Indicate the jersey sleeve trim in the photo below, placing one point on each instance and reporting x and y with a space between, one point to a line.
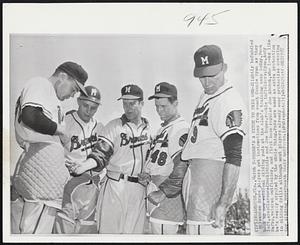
175 154
47 112
107 141
232 131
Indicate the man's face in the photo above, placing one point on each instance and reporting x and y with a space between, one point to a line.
165 109
212 84
132 109
66 88
86 109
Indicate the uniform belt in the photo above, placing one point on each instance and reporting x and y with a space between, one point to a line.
129 178
117 176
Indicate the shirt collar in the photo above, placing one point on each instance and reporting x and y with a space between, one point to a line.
173 119
125 120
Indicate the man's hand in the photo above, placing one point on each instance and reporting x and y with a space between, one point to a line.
156 197
144 178
60 130
77 168
218 215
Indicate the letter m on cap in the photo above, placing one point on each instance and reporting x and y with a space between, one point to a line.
204 60
127 89
94 92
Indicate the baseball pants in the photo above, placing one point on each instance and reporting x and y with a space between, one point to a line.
16 207
37 218
121 207
163 229
205 229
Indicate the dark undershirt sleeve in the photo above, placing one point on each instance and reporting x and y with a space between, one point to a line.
233 149
34 118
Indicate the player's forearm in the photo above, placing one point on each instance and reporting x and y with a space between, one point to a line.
34 118
172 186
101 154
229 183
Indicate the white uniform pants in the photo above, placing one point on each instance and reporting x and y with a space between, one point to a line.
163 229
121 207
205 229
37 218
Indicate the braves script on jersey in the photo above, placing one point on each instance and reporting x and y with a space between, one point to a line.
81 136
121 202
215 117
129 144
80 195
166 145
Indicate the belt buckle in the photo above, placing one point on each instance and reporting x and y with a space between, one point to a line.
122 176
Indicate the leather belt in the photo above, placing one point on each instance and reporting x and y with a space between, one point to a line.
129 178
117 176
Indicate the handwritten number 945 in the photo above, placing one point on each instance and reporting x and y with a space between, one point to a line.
207 19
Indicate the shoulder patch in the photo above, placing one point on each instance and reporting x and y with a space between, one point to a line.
234 119
183 139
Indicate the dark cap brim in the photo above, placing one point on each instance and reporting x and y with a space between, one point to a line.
129 97
159 95
81 87
208 71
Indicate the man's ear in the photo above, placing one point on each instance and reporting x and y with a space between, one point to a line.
63 76
142 103
224 67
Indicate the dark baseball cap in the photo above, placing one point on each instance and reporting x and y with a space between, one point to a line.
164 90
131 92
208 61
93 94
76 72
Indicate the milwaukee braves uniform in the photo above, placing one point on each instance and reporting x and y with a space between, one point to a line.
164 148
216 117
40 173
121 202
80 193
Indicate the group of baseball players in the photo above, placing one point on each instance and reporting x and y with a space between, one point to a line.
77 176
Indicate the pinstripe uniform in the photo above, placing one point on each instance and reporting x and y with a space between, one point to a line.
80 193
216 116
121 202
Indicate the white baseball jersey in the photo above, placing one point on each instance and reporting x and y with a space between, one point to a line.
215 117
41 172
81 136
165 146
129 143
38 92
80 196
121 203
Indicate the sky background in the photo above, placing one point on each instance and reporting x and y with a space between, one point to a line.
113 61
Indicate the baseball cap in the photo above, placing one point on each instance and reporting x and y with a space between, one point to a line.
208 61
164 90
131 92
76 72
93 94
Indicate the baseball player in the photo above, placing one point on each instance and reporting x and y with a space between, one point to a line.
122 150
81 192
164 168
214 145
40 173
